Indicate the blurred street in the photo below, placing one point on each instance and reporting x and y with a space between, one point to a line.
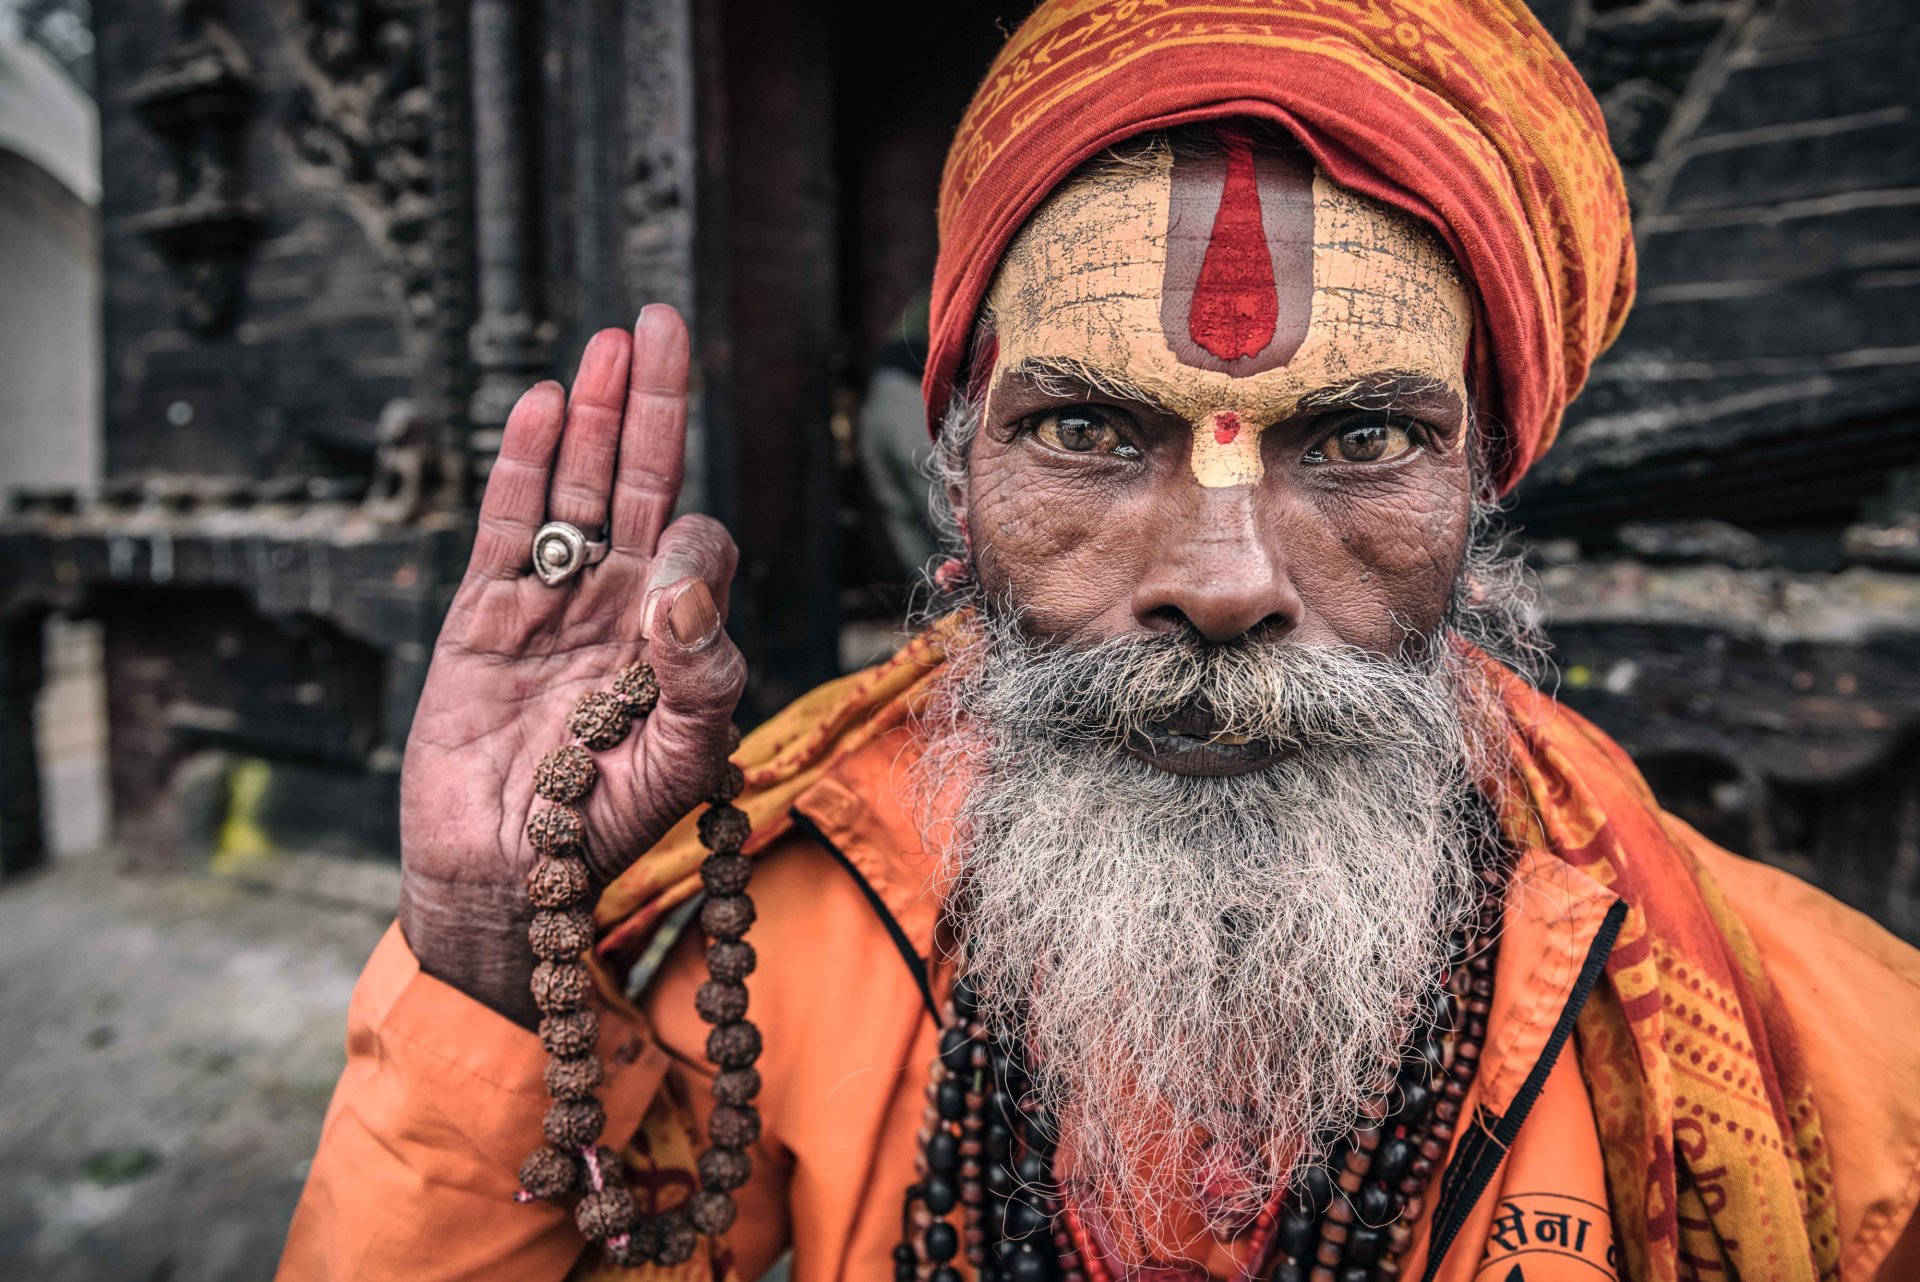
172 1041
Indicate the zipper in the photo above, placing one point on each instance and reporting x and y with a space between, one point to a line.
1481 1153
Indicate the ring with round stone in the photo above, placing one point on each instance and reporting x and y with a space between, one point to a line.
561 551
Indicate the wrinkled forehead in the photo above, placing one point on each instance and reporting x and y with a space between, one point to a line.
1239 276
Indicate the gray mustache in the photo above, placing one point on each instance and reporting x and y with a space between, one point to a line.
1289 694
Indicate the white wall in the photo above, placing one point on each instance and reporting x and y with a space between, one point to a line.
49 275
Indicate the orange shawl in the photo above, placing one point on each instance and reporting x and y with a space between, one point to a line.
1712 1138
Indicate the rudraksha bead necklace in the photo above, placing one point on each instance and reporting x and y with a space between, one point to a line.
986 1152
573 1161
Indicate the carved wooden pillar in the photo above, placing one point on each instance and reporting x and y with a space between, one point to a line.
509 341
448 383
666 195
768 272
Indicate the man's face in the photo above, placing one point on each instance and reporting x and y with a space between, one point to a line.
1224 391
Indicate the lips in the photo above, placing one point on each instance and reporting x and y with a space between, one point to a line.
1192 741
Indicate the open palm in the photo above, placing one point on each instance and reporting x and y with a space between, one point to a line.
514 655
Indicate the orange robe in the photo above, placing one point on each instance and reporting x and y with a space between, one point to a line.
414 1177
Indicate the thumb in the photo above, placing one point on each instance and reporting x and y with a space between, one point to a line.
701 675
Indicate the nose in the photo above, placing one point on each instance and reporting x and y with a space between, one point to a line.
1221 572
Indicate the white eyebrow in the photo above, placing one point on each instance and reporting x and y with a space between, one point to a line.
1382 392
1066 377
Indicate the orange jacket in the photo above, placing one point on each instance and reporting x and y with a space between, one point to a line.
414 1177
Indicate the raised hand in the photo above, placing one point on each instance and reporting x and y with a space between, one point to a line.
515 655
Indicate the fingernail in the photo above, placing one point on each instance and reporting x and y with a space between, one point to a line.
694 619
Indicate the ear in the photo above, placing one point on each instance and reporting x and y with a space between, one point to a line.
957 504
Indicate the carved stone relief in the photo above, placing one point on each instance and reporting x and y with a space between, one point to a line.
196 100
365 120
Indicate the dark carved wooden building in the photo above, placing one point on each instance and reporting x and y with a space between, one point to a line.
341 235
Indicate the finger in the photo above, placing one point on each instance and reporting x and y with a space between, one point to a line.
653 437
515 502
695 546
583 475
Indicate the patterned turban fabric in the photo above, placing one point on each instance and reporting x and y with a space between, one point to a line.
1462 113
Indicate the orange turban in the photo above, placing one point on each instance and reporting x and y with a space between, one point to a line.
1463 113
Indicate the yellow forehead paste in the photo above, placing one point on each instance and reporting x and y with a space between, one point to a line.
1226 451
1083 285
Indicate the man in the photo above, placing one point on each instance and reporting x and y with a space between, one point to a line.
1199 895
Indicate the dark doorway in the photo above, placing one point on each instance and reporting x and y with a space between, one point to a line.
826 128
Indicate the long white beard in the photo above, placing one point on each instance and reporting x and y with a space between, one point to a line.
1235 958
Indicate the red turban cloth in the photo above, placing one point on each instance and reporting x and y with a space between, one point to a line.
1463 113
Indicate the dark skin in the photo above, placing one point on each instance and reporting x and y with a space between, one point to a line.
515 655
1337 514
1352 536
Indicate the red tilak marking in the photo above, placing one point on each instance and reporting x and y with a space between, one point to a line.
1226 426
1235 307
1229 303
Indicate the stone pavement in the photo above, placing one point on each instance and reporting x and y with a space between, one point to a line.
167 1047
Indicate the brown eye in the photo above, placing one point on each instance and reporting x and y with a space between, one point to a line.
1081 431
1373 441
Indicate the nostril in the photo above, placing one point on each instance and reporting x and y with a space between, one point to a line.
1275 627
1167 618
1164 619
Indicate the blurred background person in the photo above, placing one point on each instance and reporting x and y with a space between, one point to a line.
893 437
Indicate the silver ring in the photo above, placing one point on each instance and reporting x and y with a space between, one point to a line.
561 551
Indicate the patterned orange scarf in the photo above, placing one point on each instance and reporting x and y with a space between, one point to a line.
1712 1140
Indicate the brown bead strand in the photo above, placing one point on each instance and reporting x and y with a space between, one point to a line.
1366 1227
973 1151
559 887
722 1001
950 1160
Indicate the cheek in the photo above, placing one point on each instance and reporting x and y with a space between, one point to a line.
1065 549
1399 551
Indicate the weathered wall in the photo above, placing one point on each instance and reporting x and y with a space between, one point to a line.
318 320
269 551
1728 528
1771 367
